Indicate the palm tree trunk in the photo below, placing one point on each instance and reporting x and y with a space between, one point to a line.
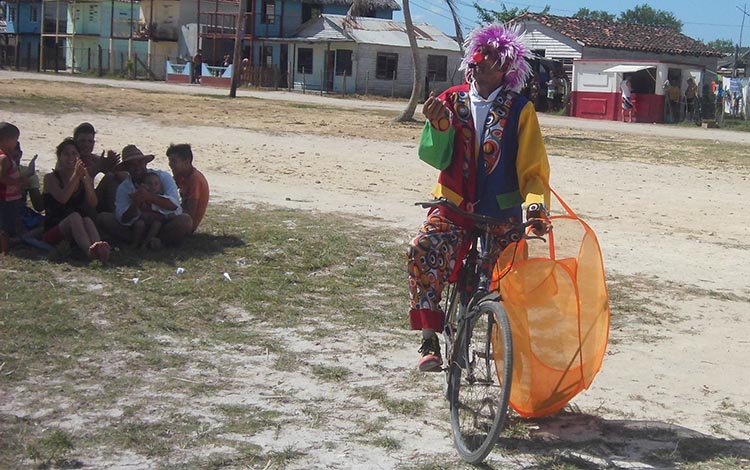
456 24
416 89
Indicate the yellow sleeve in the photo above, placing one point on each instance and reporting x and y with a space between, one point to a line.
531 163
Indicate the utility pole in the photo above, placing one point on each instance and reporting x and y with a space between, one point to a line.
744 14
738 48
239 38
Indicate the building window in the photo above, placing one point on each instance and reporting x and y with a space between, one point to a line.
304 60
386 66
310 11
267 56
94 13
268 12
12 14
34 13
437 68
343 62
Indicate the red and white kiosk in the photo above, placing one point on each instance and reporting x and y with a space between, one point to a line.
596 87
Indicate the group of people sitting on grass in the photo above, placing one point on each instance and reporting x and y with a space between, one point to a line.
131 203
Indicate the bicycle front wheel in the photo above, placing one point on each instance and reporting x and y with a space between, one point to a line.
480 380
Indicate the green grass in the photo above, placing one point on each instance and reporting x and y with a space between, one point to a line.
194 371
90 335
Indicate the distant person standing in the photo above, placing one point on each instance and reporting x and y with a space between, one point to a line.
627 103
674 93
197 66
691 94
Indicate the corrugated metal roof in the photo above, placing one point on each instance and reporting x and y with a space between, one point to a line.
382 4
374 31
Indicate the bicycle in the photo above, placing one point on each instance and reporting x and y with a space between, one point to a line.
477 340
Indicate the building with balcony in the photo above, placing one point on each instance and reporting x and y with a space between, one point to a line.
20 25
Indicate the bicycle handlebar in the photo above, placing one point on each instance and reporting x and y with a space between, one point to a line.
484 219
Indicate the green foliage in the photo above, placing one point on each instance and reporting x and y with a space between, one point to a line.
599 15
505 15
723 45
646 15
52 448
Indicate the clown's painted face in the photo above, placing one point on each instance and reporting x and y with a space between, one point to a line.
488 70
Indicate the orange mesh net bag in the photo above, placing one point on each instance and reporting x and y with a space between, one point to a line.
556 298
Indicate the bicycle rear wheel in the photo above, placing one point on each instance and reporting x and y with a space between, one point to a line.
480 380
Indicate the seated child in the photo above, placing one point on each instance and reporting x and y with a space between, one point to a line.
11 182
146 228
32 219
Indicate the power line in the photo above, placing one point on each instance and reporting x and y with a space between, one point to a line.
462 19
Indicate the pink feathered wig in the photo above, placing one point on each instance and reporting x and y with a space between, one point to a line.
507 42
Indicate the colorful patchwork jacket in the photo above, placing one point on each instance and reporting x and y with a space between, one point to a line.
509 168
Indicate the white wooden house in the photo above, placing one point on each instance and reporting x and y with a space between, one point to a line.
368 56
597 55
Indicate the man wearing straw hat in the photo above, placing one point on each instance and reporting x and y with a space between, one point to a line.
485 139
131 196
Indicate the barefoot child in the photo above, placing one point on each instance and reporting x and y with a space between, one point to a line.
151 219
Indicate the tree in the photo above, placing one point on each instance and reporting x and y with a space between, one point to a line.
505 15
645 15
237 56
599 15
459 34
416 89
723 45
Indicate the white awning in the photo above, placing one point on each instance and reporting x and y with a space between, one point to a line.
629 68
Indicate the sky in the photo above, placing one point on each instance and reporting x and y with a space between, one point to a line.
704 20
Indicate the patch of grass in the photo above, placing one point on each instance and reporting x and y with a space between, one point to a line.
719 463
374 427
315 416
245 419
287 361
516 428
730 410
435 465
331 373
51 448
386 442
406 407
700 153
127 356
286 456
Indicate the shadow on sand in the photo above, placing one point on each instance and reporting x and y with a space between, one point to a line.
590 442
197 246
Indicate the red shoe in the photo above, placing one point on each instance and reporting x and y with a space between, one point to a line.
431 358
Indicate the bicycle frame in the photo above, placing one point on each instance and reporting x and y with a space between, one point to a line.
474 285
478 380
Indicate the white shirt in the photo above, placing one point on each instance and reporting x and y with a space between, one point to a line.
625 89
480 107
126 188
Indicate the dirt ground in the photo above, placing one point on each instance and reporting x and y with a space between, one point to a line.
674 235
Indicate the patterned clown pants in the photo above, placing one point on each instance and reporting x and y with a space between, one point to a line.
432 259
